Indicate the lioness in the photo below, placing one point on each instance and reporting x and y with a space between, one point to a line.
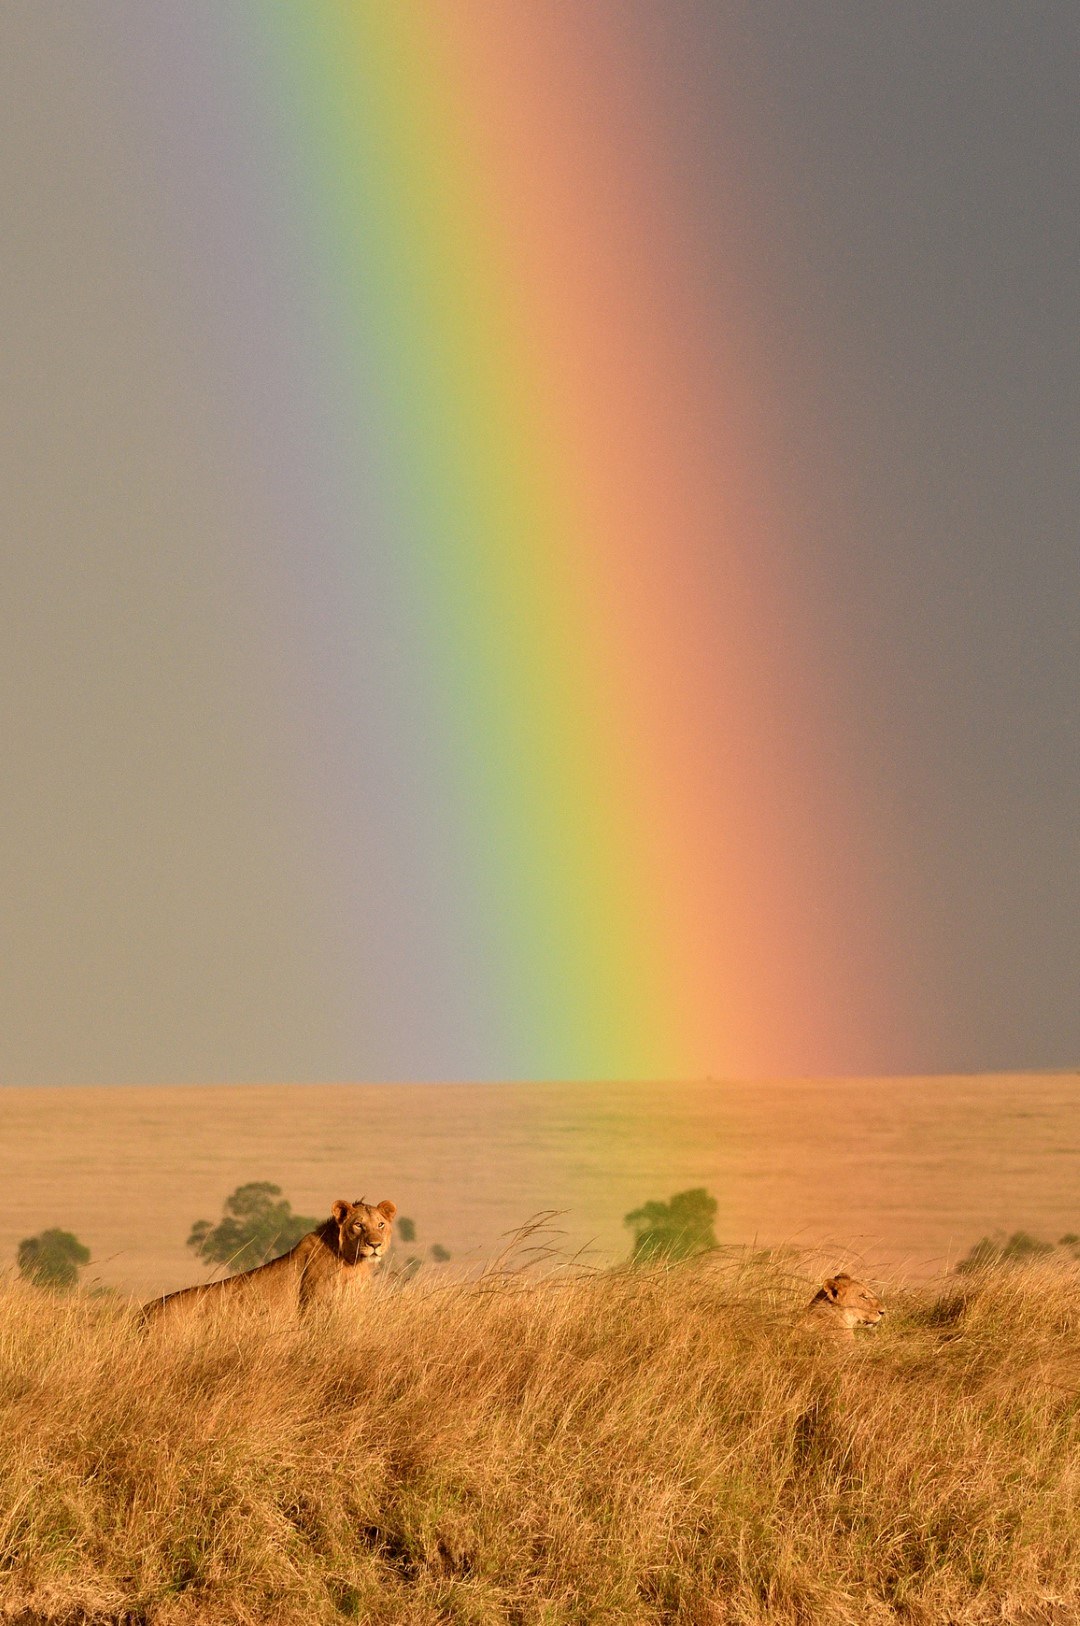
840 1305
341 1255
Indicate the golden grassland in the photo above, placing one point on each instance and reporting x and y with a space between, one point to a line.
659 1445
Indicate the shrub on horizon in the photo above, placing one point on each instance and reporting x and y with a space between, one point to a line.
678 1229
53 1258
1021 1248
257 1225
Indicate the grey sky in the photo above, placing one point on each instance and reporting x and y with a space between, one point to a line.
915 240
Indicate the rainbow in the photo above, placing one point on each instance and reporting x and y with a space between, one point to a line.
490 412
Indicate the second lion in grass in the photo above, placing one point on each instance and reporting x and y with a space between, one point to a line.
840 1305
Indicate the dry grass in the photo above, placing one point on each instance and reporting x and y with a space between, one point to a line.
645 1447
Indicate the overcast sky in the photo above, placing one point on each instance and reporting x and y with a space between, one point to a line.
916 249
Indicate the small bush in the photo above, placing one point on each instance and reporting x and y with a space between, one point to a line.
1021 1248
52 1259
678 1229
403 1267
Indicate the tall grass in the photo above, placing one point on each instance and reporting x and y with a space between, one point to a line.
649 1446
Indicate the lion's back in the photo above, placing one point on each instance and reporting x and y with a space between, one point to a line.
267 1287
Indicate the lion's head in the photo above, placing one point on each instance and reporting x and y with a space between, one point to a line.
363 1232
846 1302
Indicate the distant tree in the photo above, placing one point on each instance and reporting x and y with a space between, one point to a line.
257 1224
1018 1249
674 1230
405 1229
52 1259
439 1253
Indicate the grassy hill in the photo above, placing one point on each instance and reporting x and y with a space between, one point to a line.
661 1445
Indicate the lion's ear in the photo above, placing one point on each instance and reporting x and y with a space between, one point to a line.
339 1210
387 1209
831 1288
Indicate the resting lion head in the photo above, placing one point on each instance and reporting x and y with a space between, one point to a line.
843 1303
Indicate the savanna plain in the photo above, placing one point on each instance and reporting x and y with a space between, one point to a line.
541 1432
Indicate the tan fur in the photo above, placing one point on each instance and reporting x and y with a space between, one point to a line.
840 1305
339 1257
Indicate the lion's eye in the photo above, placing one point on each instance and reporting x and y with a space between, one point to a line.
382 1225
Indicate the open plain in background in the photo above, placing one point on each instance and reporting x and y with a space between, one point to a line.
890 1174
